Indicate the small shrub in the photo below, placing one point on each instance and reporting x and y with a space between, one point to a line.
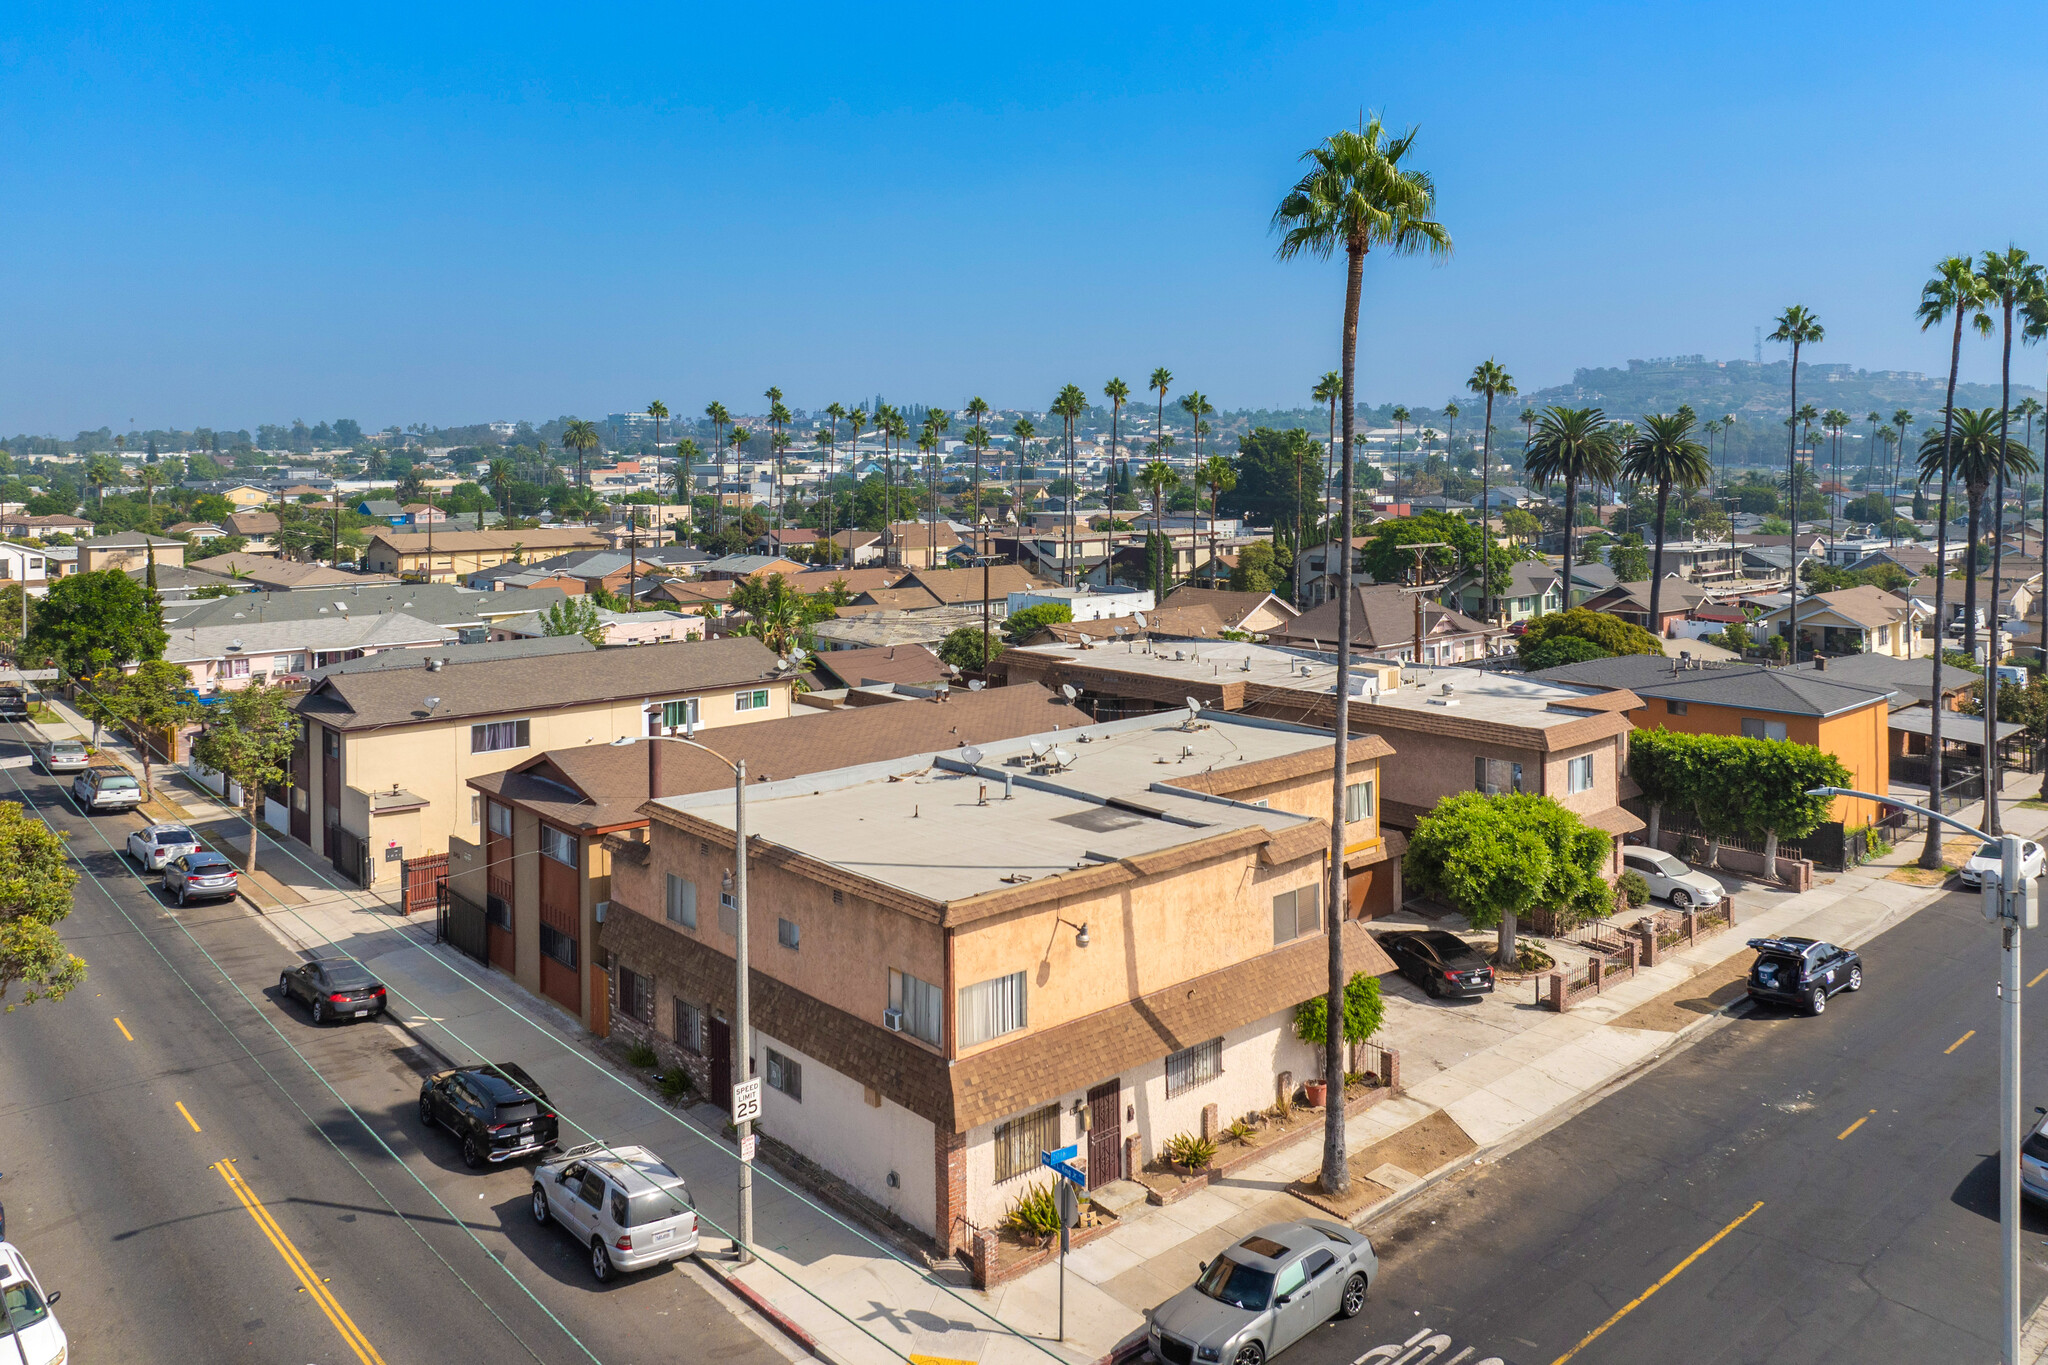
641 1055
1634 889
1239 1130
1035 1214
1352 1078
675 1084
1283 1108
1185 1149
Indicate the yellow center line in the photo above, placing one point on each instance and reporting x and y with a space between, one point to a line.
1854 1126
188 1115
124 1029
350 1333
1959 1042
1669 1276
2037 978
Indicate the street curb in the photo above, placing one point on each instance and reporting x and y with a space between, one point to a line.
753 1298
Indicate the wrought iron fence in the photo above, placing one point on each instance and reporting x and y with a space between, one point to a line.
461 921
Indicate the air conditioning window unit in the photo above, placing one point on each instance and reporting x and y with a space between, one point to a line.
892 1020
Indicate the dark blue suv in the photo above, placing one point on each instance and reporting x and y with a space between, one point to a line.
1802 972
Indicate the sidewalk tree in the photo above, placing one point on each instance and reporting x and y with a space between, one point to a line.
249 736
1364 1011
92 621
155 698
36 878
1777 774
1656 764
1495 858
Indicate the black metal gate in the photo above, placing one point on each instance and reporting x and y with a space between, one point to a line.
461 922
348 854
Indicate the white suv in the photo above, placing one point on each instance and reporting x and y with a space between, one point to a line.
625 1202
27 1327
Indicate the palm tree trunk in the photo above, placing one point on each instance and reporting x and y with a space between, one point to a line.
1297 530
1930 853
1485 527
1657 560
1336 1173
1991 657
1792 492
1571 515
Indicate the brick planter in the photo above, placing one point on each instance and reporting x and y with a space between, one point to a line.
998 1260
1221 1169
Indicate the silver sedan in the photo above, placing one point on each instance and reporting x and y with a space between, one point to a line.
1265 1293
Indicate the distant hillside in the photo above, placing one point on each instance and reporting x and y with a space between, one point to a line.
1759 392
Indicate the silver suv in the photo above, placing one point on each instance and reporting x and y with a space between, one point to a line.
626 1203
98 789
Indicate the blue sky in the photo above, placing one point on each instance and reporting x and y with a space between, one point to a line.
230 215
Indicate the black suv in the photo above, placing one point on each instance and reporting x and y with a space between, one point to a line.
1802 972
1441 963
497 1110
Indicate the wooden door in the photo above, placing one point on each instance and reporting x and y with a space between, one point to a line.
718 1048
1105 1133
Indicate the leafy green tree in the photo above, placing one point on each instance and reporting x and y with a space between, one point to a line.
1610 633
36 878
1629 560
1521 524
779 615
1495 858
1020 626
1269 477
962 649
1364 1012
1260 567
153 700
249 736
1565 649
573 616
93 621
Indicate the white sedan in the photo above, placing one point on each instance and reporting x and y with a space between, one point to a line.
153 846
1670 879
28 1329
1988 859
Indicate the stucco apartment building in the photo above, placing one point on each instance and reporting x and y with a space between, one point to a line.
1451 730
964 958
385 756
540 867
449 556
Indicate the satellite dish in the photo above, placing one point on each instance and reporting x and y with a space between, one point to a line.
1193 705
433 702
1067 690
1139 617
975 684
1038 748
971 754
1062 757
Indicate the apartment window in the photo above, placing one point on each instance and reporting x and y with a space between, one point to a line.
678 715
559 845
1673 708
498 911
757 700
557 945
788 934
689 1026
330 742
495 735
1358 802
785 1075
476 809
682 901
1296 913
1578 774
1191 1066
636 995
989 1009
1496 776
1755 727
234 668
919 1004
728 914
501 819
1020 1140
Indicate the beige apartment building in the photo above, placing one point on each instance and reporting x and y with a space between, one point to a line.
448 556
524 893
129 550
385 757
1097 936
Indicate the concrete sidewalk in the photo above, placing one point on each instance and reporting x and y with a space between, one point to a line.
1495 1073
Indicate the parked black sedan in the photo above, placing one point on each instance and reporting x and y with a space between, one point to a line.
333 988
497 1110
1441 963
1802 972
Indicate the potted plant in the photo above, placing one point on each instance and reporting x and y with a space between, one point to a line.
1316 1091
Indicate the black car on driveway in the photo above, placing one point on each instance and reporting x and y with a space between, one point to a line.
498 1111
333 988
1439 962
1802 972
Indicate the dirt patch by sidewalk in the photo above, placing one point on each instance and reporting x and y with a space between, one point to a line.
1418 1149
1687 1004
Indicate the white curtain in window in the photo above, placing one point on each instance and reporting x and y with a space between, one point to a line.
989 1009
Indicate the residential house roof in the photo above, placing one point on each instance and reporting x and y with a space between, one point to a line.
255 523
857 581
1676 595
1911 679
389 630
881 664
746 566
268 571
132 540
469 542
441 603
1197 622
1746 687
952 586
380 507
488 651
1235 608
1865 604
171 578
1382 617
372 700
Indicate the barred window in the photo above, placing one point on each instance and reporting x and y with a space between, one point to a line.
788 933
1296 913
1191 1066
636 995
1021 1139
682 901
689 1026
786 1075
919 1002
557 945
989 1009
498 911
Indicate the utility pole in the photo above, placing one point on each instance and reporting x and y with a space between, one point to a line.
742 1038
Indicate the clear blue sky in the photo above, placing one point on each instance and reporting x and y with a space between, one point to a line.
228 215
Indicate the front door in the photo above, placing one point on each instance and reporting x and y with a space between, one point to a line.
1105 1133
719 1049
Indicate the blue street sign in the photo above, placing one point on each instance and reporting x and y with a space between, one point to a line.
1067 1153
1071 1173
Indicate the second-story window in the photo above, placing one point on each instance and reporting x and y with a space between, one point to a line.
989 1009
1579 774
1495 776
1358 801
501 820
495 735
559 845
917 1006
1755 727
682 901
756 700
788 933
1296 913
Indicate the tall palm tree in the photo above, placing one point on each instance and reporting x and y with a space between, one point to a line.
1956 294
1450 431
1570 445
715 411
1527 417
150 479
657 410
1197 406
1402 417
1021 432
937 422
581 437
737 439
1801 328
1118 393
501 484
977 411
1870 466
1490 381
1902 418
886 421
830 445
1979 456
1157 478
688 452
1664 454
101 470
1219 476
2013 281
1355 196
1834 421
1068 406
1328 390
1162 380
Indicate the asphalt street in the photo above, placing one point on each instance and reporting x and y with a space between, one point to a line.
1847 1165
207 1176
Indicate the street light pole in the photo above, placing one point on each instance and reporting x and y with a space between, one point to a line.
2012 906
